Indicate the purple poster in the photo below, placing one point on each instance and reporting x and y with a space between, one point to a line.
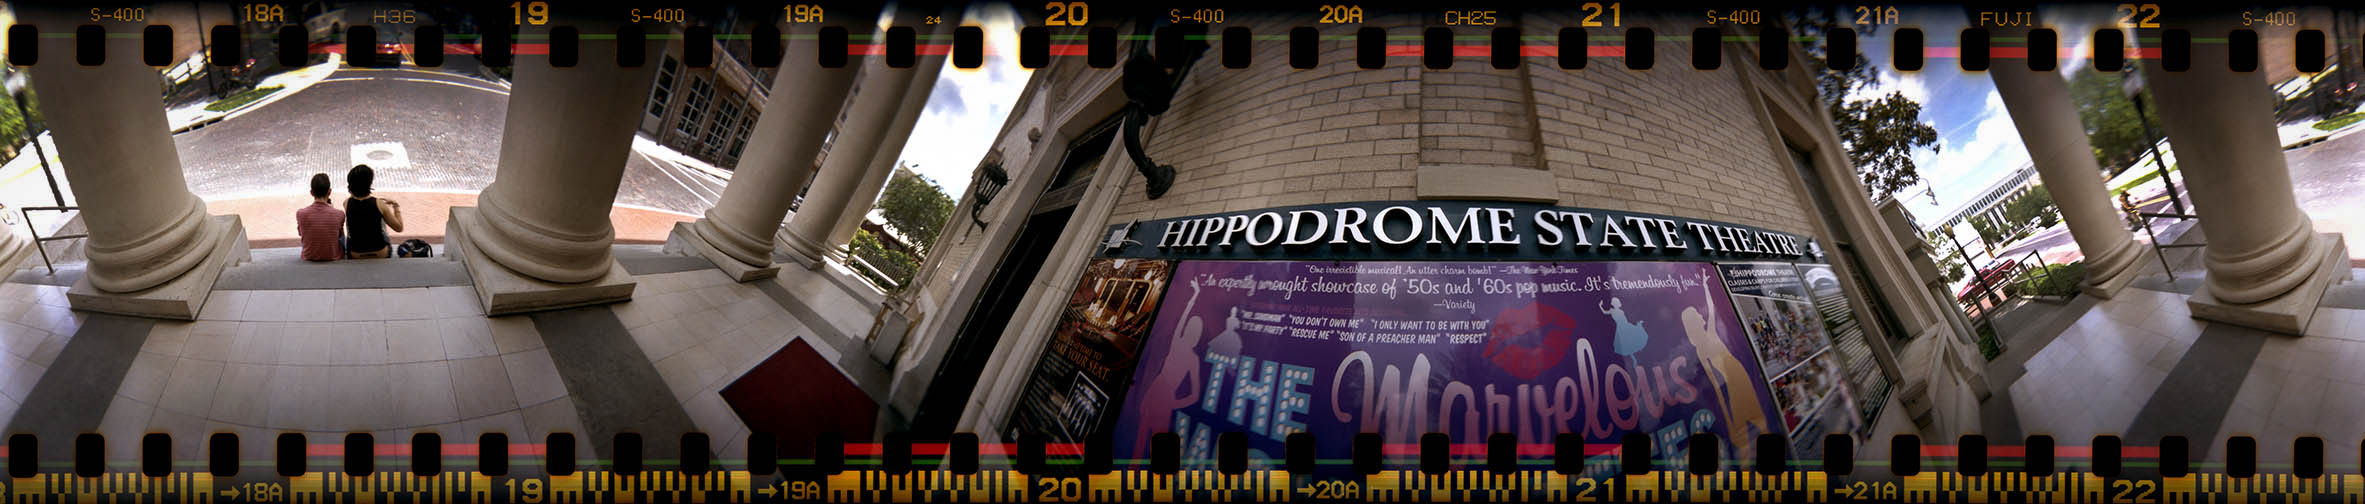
1469 349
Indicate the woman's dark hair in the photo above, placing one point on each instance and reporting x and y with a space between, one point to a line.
319 185
357 181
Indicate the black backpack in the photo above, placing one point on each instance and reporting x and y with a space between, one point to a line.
414 248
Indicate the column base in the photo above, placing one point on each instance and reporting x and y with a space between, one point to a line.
13 254
182 297
507 292
2291 312
685 239
2109 286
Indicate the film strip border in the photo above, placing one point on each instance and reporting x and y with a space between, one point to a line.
1437 47
963 470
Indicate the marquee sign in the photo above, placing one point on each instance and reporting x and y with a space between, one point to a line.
1451 230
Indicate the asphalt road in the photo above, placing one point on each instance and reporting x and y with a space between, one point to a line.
448 126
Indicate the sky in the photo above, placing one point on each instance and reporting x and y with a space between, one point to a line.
968 106
1978 144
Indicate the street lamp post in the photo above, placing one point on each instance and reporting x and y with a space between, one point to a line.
2132 84
16 93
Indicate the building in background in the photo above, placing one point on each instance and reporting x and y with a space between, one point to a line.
1002 291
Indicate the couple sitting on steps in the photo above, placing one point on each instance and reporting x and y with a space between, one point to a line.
358 231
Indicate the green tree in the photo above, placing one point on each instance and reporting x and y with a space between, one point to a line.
897 266
2032 209
12 127
2110 120
1989 231
1881 133
916 207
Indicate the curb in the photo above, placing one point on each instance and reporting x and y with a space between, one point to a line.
287 87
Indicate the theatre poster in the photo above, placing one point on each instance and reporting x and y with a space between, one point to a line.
1469 349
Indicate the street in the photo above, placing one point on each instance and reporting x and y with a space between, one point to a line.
2327 178
448 127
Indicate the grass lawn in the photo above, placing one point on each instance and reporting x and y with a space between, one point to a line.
2149 172
2340 122
241 99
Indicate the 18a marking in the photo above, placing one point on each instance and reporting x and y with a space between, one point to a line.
263 13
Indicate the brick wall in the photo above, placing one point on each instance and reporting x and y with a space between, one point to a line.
1670 140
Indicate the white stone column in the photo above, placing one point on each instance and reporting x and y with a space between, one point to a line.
2268 268
153 251
539 236
737 234
874 133
2048 122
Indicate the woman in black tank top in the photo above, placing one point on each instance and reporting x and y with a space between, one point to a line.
367 217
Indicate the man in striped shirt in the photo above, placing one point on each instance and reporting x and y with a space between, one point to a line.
321 226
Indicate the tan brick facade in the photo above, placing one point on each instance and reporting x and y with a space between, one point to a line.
1671 140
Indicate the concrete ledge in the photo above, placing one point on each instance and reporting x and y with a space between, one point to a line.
1485 182
686 239
182 297
507 292
2291 312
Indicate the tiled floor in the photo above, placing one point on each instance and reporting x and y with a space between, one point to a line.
393 362
2118 359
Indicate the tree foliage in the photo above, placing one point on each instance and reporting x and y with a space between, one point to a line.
2032 209
12 127
1989 230
1882 132
2109 117
916 207
897 266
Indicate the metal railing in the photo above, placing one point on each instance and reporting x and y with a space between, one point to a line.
37 238
2158 249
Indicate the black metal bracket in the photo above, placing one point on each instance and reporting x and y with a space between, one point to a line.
1150 89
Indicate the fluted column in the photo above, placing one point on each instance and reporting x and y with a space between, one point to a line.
889 155
544 220
152 249
2267 266
116 149
779 158
874 133
2048 123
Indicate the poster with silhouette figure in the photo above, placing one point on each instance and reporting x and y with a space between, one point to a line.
1092 349
1601 349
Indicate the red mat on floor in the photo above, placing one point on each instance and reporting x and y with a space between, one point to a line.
797 395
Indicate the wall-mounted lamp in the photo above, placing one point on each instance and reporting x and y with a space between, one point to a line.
990 180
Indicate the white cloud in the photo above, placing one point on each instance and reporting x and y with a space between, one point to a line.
968 106
1915 87
1969 163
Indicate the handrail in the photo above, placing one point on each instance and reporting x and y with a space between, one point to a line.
2158 249
37 238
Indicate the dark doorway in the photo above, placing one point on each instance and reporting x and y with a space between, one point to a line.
940 409
990 314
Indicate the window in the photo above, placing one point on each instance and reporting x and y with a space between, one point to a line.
739 141
662 93
726 122
694 110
